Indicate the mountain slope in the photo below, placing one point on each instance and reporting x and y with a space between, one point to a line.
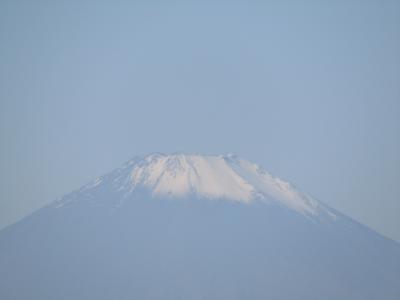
194 227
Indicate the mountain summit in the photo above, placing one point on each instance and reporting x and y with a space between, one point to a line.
185 226
223 177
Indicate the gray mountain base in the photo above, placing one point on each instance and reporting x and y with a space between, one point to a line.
98 243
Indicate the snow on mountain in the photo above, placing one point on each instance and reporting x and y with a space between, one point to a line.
179 175
224 177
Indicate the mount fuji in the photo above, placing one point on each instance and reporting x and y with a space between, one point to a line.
186 226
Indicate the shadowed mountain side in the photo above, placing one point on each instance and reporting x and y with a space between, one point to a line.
193 249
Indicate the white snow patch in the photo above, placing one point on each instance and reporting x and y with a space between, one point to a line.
215 177
180 175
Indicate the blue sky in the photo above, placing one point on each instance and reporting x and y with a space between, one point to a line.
309 91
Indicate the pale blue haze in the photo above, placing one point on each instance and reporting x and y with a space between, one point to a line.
309 91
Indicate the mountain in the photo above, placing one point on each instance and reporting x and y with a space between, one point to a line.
194 227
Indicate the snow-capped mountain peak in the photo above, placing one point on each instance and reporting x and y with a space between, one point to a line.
214 177
179 175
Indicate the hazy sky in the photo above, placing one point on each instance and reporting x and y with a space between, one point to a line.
309 91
